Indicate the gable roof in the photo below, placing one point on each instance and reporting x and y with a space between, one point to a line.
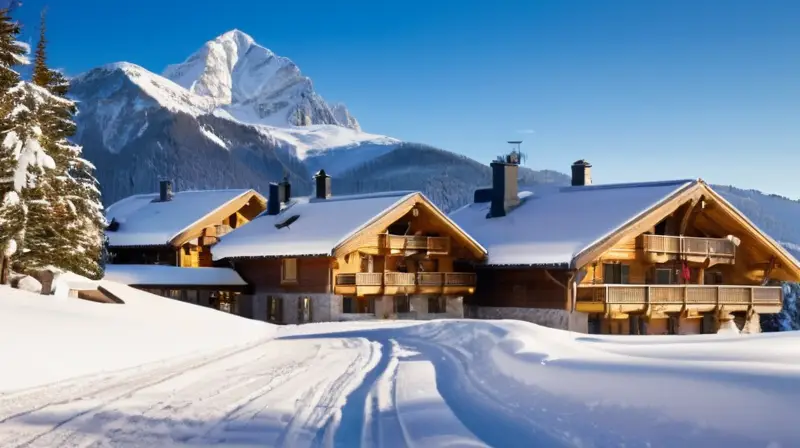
571 226
321 226
553 225
143 222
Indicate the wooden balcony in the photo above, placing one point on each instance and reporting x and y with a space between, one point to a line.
662 248
392 283
657 300
384 244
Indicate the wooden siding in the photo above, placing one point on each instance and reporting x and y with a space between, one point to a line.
524 288
264 274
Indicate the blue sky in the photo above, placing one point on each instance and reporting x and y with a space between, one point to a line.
642 89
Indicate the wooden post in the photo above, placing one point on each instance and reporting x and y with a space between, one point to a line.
5 266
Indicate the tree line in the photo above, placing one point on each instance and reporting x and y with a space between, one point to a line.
51 215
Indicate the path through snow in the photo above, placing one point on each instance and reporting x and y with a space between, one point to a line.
370 385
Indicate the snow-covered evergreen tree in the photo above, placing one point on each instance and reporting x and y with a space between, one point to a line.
77 235
12 53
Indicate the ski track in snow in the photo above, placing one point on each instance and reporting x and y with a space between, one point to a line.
370 388
299 391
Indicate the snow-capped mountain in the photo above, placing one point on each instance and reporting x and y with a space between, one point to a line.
234 114
224 118
254 85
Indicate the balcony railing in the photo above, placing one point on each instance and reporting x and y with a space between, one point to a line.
360 279
431 244
420 279
684 245
705 297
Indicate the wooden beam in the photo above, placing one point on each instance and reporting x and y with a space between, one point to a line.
768 270
5 267
212 218
689 212
553 279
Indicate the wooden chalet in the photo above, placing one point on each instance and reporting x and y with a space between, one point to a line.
154 240
668 257
372 256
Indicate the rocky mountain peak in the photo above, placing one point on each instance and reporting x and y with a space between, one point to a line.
255 85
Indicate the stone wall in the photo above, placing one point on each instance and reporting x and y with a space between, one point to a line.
324 307
560 319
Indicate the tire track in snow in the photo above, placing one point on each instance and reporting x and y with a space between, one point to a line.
26 401
496 423
326 399
202 400
97 396
381 423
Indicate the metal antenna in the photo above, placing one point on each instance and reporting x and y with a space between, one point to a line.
517 152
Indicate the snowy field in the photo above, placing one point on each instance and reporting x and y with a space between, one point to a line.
155 372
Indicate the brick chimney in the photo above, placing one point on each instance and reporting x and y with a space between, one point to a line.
323 184
581 173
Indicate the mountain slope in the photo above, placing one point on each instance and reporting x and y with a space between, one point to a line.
447 179
254 85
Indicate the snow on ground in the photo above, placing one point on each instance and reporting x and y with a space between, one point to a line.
439 383
46 339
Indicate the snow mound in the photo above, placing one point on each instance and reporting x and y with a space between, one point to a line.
59 339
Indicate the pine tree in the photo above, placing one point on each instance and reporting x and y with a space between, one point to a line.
12 53
77 234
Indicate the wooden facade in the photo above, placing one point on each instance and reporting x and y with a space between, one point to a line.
192 247
681 268
412 250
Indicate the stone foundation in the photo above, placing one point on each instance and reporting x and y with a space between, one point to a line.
559 319
328 308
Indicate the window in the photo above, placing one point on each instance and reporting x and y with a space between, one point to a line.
437 305
615 273
348 305
289 270
175 294
402 304
664 276
304 310
712 278
353 305
274 309
191 296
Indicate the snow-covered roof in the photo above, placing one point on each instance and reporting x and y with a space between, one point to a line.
552 225
143 222
154 275
321 225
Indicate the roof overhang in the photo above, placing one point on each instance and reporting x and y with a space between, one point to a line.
396 212
650 217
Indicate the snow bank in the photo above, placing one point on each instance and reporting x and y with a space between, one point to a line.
718 390
47 340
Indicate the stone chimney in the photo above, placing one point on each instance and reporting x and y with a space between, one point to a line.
284 190
273 200
323 184
581 173
504 194
165 191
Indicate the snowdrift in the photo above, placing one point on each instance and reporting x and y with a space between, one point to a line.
588 390
48 338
